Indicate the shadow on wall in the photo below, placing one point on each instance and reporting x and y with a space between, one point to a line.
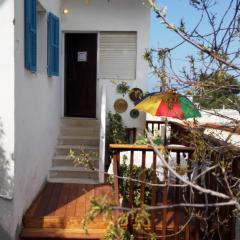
1 2
4 235
6 167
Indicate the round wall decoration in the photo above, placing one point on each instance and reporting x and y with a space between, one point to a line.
134 113
135 94
120 105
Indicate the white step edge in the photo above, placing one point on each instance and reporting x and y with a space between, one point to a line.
79 127
73 180
70 169
84 147
78 137
65 157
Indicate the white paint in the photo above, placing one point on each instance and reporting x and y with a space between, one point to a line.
30 103
37 113
7 108
209 116
102 146
115 15
232 138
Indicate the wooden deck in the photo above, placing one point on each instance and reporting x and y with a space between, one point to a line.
58 210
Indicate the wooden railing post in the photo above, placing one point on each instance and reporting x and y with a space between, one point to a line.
154 191
165 202
142 191
131 199
176 213
187 229
116 159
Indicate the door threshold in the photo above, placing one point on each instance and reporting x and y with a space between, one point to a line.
79 118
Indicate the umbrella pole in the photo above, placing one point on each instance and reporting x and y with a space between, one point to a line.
165 132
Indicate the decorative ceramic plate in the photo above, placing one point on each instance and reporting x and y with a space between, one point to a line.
135 94
134 113
120 105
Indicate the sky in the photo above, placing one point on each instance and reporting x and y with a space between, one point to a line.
162 37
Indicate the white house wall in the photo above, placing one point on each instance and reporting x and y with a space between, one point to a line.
6 114
37 112
113 15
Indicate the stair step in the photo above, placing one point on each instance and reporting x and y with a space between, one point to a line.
80 131
77 134
70 169
73 180
81 122
72 172
58 233
61 160
79 140
64 149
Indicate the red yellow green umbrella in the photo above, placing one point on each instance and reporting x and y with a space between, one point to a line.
168 104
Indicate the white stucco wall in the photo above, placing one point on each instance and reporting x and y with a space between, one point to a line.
6 113
114 15
37 113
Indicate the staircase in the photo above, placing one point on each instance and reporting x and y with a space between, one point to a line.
76 134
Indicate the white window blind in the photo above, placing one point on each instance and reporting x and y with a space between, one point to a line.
118 52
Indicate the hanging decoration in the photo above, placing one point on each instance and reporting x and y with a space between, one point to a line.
120 105
134 113
135 94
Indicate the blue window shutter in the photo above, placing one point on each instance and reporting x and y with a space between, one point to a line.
30 34
53 45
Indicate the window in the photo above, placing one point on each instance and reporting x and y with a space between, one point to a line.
30 34
53 45
118 55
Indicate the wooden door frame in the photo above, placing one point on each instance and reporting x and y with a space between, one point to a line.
62 64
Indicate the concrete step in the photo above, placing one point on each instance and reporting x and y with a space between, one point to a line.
73 180
65 149
77 134
78 140
72 172
61 160
79 131
80 122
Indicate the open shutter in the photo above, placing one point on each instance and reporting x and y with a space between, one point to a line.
30 42
118 55
53 45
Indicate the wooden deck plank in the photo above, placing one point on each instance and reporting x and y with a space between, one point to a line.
89 195
103 192
43 204
62 202
80 204
31 211
72 200
52 206
63 233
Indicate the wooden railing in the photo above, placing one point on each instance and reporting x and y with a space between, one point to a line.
156 125
175 133
162 221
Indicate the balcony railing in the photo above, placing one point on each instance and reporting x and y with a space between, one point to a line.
165 189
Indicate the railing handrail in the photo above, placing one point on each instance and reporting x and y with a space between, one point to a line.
139 147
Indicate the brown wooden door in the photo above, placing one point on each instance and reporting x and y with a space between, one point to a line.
80 74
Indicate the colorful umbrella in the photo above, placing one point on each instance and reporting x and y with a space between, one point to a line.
168 104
